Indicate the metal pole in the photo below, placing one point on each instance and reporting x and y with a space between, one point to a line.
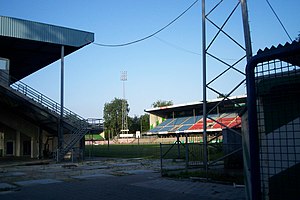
186 152
62 82
204 84
72 154
178 146
254 165
124 110
57 153
61 128
246 29
108 139
161 159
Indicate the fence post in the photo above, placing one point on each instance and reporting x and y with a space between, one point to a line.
72 155
178 146
57 154
161 162
186 152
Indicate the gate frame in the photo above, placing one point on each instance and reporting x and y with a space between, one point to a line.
280 52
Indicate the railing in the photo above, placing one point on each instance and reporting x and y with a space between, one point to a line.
80 125
95 124
46 102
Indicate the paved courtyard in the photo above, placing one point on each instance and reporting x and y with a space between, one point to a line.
104 179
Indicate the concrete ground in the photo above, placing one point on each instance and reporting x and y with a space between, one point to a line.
103 179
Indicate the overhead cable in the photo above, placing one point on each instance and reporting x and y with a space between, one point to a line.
279 20
187 50
149 36
177 47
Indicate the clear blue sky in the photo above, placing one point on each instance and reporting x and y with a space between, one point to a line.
156 70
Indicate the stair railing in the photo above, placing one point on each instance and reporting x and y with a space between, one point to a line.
80 125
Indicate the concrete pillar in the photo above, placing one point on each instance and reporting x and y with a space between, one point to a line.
1 144
18 144
40 143
32 147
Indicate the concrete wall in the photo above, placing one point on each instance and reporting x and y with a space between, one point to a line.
232 141
19 136
154 119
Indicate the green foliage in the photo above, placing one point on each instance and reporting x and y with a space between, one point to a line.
145 123
93 137
138 123
298 38
134 124
113 119
112 116
161 103
222 96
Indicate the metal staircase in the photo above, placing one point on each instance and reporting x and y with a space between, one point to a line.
75 126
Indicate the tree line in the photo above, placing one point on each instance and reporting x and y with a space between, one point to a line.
112 115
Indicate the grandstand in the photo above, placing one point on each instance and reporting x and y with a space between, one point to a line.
188 118
32 124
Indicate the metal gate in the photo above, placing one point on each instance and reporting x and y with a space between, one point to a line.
273 89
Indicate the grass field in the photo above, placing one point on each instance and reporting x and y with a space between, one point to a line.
124 151
169 151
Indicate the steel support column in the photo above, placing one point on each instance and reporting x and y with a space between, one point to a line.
61 126
209 52
205 161
246 29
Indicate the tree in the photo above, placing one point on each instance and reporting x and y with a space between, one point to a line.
133 124
298 38
161 103
221 95
138 123
112 116
145 123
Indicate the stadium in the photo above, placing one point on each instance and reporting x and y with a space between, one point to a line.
257 132
32 124
188 118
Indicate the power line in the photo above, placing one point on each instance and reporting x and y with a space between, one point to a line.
279 20
186 50
149 36
177 47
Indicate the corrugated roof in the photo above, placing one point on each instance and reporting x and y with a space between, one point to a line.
289 52
24 29
187 106
30 46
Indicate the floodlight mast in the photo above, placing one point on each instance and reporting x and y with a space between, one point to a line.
124 129
205 48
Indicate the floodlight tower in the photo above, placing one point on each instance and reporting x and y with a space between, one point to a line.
124 129
235 67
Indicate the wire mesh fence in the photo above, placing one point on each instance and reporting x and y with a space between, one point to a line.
278 112
191 155
273 82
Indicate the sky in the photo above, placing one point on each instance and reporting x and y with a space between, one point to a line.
167 66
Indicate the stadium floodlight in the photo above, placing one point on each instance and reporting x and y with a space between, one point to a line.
124 106
217 58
